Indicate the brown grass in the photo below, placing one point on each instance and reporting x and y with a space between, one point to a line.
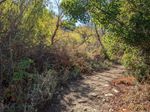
132 98
130 80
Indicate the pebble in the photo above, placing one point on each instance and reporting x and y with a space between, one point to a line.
82 101
109 95
115 90
111 110
106 85
93 94
85 109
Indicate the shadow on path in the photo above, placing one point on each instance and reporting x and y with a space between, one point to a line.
88 91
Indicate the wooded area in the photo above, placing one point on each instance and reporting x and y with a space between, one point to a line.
45 44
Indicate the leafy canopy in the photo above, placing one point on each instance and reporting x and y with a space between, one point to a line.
128 19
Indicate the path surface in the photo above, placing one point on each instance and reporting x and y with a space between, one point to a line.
91 94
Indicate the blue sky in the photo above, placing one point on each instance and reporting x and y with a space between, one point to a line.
53 6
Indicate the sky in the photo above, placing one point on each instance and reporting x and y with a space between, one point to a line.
53 6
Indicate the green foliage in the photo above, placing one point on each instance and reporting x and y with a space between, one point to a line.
24 64
114 45
30 95
68 25
125 19
77 9
20 69
136 18
32 68
43 87
131 57
75 73
127 24
134 62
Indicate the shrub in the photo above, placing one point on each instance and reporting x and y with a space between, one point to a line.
131 57
43 88
114 46
135 63
28 95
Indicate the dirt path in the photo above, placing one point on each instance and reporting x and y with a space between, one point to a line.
92 94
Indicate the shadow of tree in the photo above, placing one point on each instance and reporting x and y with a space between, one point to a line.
82 89
59 103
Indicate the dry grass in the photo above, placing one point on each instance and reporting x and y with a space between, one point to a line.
130 80
135 98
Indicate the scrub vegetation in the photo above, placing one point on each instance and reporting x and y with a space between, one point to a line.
45 44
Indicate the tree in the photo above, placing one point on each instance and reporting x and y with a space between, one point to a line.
24 24
99 36
58 16
128 20
17 25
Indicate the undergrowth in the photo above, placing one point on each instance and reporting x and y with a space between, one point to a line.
39 71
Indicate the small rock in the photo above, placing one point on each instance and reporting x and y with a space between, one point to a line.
124 110
59 97
85 109
94 110
106 85
103 100
109 95
72 110
93 94
61 88
82 101
111 110
100 97
115 90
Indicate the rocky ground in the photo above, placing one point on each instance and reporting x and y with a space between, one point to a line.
91 94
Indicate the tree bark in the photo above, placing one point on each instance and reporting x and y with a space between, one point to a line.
100 42
55 31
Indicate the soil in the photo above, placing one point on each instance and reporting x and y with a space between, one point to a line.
91 94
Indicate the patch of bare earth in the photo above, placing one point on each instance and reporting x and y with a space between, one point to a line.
91 94
106 91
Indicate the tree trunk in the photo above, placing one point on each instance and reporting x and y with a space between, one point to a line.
100 43
55 31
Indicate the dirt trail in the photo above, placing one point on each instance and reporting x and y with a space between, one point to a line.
92 94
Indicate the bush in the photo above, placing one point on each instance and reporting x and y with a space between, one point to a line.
131 57
43 88
114 45
135 63
27 88
39 69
